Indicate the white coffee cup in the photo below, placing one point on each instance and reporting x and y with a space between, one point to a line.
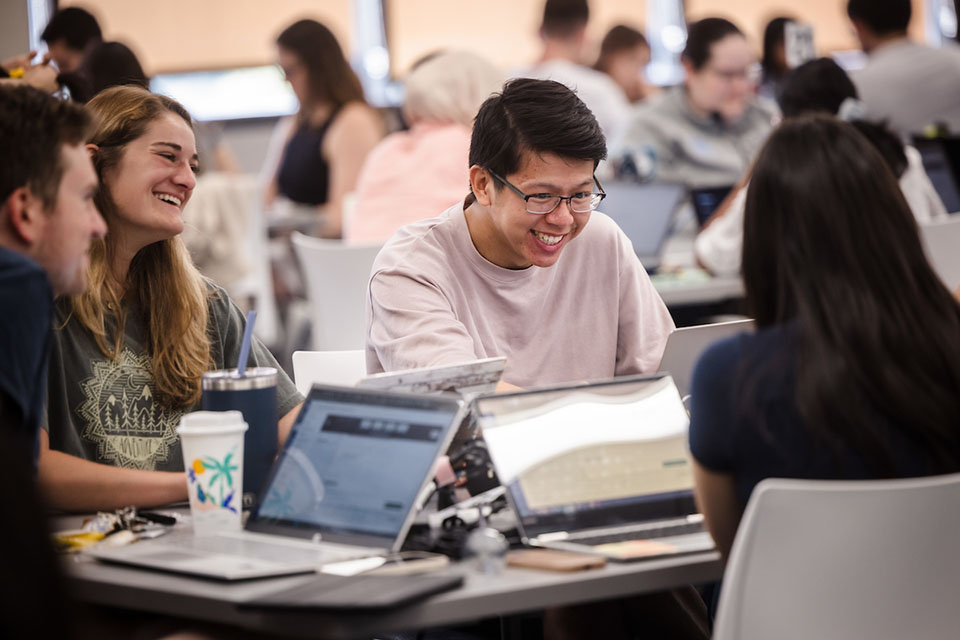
212 444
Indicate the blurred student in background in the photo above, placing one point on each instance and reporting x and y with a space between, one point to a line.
325 144
128 353
773 64
820 86
413 174
107 64
854 370
563 34
70 35
705 132
624 54
908 84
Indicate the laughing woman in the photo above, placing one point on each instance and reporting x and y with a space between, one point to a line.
129 353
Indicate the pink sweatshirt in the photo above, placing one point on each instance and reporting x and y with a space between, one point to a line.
433 299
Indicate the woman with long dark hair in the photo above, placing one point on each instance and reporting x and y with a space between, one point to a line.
333 131
854 371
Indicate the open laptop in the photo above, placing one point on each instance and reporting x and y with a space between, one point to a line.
941 242
345 485
478 376
706 200
599 468
685 345
940 159
645 213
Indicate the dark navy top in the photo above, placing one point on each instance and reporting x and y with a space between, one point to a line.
304 175
744 419
26 319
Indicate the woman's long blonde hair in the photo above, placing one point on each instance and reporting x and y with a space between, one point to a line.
162 280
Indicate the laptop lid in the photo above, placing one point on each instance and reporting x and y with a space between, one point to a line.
937 164
479 376
685 345
645 213
582 456
707 199
354 465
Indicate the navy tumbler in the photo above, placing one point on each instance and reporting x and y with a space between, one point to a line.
255 396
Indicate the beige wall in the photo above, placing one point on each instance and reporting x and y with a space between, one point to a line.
172 35
505 31
828 17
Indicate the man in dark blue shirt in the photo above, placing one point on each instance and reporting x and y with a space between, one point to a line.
47 222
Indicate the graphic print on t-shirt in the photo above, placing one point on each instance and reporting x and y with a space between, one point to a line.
120 415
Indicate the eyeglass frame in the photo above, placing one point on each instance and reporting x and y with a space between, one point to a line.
569 199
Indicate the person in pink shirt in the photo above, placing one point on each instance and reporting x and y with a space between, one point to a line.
413 174
515 269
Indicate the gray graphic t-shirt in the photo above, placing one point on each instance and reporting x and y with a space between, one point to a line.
105 411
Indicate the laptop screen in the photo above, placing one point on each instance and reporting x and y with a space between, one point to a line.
707 199
595 455
645 213
936 162
354 464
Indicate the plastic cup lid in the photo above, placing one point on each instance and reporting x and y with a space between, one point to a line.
212 422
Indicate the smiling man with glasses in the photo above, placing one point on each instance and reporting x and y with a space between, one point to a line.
493 275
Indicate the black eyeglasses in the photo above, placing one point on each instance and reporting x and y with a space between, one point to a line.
544 203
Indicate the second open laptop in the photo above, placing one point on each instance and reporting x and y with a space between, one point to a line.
345 485
599 468
686 344
645 214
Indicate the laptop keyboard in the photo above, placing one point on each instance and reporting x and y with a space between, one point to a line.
643 534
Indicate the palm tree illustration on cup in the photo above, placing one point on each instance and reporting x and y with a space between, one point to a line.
213 456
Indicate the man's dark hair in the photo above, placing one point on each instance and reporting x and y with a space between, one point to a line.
537 116
815 86
562 18
882 17
76 26
108 64
619 39
33 128
702 35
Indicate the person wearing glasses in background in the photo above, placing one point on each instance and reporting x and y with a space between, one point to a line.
705 132
494 275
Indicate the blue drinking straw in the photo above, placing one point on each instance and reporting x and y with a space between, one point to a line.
245 346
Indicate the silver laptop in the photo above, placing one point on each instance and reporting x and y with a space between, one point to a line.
645 213
941 241
478 376
346 485
685 345
600 468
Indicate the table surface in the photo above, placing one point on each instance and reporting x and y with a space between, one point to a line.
512 591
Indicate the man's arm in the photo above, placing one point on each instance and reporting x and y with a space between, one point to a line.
73 484
286 424
411 324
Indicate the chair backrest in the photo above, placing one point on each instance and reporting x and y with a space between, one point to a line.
344 368
845 559
336 278
942 243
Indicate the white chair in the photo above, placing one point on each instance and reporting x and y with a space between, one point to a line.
335 277
344 368
851 559
942 243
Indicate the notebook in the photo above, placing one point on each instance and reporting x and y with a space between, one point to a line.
685 345
645 214
346 484
598 468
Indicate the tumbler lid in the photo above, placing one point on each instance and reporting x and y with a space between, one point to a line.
230 380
